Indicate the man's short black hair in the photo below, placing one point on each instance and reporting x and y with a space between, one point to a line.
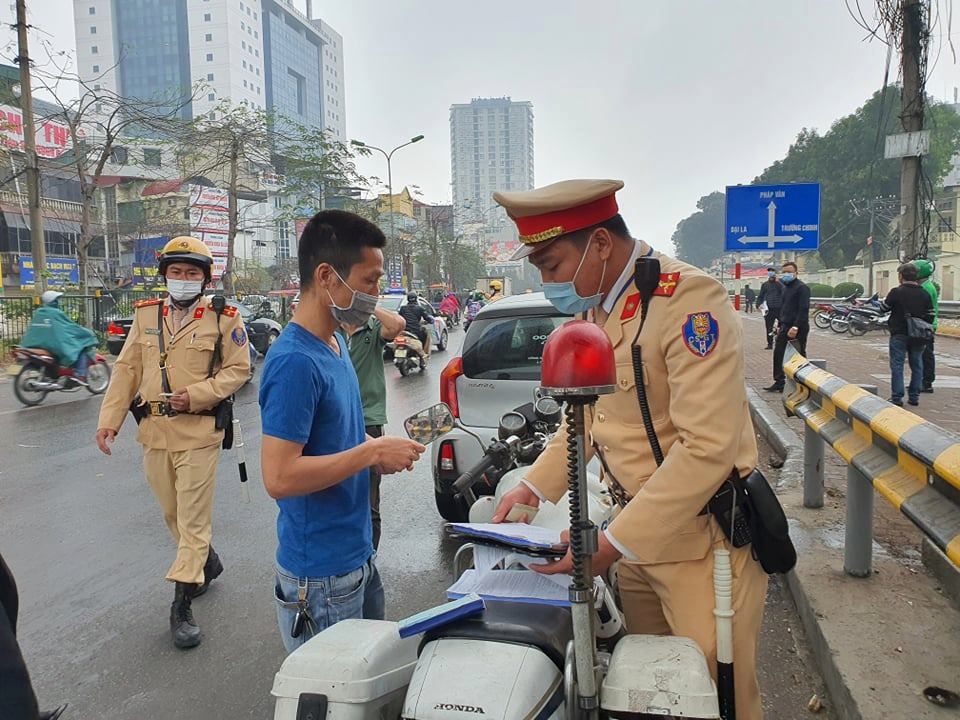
909 272
790 263
335 237
771 269
615 226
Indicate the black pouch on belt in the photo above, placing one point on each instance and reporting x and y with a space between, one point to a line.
224 421
139 409
772 545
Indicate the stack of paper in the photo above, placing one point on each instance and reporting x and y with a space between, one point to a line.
516 585
531 538
465 606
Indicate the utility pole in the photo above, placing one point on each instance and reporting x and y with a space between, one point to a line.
37 246
911 115
870 250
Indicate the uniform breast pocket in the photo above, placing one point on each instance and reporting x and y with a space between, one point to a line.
197 356
654 387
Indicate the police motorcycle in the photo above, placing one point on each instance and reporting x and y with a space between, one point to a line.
518 660
40 374
408 353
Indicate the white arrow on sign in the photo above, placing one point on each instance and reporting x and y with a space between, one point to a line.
770 238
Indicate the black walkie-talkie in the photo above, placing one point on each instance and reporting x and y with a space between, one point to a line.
646 277
218 303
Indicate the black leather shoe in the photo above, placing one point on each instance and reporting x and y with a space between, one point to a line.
212 569
928 389
53 714
183 628
913 402
769 347
774 388
898 403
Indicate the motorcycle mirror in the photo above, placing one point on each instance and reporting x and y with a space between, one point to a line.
430 424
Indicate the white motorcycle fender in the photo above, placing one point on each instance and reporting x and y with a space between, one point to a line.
460 679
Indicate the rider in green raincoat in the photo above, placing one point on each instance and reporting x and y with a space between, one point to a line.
53 331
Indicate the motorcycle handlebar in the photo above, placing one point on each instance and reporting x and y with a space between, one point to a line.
496 456
467 479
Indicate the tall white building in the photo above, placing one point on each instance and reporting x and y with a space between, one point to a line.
491 148
264 54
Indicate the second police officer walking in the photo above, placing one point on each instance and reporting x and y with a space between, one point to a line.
183 357
693 374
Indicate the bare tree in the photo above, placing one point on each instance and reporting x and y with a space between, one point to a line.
103 126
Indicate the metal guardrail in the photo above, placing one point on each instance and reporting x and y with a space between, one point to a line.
912 463
948 308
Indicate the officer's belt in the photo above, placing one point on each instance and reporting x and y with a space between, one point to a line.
158 408
619 493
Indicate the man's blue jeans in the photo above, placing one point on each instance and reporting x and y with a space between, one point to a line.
901 349
358 594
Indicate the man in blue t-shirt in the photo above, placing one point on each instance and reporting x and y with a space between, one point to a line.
315 454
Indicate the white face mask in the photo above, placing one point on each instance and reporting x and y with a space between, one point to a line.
184 289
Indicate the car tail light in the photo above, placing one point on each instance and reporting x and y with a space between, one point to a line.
114 329
448 459
448 385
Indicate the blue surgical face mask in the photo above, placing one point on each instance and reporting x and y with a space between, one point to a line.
564 296
771 275
788 277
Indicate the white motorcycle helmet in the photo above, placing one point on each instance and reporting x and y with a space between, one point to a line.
50 296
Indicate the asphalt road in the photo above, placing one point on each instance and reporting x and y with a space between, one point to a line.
86 542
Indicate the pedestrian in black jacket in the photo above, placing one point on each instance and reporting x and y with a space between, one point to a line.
907 299
771 292
793 322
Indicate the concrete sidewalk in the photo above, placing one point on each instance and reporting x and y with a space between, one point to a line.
878 641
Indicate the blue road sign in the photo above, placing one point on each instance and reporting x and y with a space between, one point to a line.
772 217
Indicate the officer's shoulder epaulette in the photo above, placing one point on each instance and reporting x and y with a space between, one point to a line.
667 285
147 303
230 311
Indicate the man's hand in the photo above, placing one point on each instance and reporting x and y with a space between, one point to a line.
521 495
605 556
105 438
393 454
792 333
180 401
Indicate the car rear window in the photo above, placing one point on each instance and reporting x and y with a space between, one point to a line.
508 348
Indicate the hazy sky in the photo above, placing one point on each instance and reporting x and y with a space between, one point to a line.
676 98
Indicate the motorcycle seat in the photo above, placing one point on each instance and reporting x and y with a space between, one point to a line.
545 627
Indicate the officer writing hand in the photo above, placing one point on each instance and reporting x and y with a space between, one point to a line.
180 401
393 454
105 438
605 556
522 495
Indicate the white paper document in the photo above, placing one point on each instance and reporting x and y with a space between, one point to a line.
519 534
516 585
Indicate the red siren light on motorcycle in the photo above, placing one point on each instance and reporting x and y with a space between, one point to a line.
578 361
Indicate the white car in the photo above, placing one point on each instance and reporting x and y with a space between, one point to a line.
498 370
440 333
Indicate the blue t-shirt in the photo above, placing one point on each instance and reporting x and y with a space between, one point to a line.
309 395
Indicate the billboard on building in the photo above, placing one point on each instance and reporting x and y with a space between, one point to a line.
499 252
53 138
210 222
145 273
62 272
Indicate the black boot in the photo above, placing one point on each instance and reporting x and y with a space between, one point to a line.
211 571
186 633
776 387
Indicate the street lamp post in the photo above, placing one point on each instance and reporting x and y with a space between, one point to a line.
388 156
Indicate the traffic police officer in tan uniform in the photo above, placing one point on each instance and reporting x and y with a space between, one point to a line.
176 337
693 374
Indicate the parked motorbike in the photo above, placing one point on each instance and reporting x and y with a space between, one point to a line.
408 354
863 320
41 374
514 660
840 322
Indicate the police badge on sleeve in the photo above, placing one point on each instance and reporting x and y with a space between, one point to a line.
701 333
